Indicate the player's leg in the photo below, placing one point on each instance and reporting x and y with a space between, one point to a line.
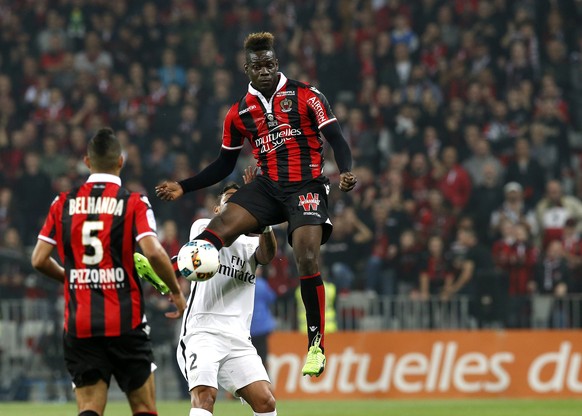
244 375
259 396
227 226
199 356
202 399
91 399
249 208
309 227
132 357
142 400
306 248
90 370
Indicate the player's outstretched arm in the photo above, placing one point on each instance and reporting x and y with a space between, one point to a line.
161 264
267 246
343 155
169 191
210 175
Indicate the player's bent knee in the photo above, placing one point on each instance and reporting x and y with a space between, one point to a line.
265 404
261 399
203 397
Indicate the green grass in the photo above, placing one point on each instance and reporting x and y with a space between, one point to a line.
500 407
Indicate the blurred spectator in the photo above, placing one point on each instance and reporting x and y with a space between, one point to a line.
514 210
263 323
14 265
169 237
527 172
341 254
481 156
407 263
476 277
93 57
452 180
34 193
52 161
554 210
573 250
552 277
435 218
436 274
485 199
170 72
379 274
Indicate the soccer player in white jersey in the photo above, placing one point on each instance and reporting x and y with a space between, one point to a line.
215 343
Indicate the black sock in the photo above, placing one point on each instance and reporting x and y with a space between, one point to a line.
174 261
211 237
313 295
88 413
145 414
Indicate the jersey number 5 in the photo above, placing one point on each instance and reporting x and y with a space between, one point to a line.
90 239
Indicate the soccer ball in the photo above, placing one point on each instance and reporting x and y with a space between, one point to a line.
198 260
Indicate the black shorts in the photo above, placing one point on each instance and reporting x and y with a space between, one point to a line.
300 204
128 358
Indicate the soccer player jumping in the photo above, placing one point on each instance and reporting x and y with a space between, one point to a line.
283 120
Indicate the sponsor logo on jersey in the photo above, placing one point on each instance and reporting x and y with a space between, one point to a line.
276 138
309 202
284 93
111 278
246 110
315 104
236 270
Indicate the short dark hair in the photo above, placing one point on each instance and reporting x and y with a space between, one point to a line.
228 187
104 150
259 41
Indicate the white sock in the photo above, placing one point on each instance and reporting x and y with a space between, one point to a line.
199 412
273 413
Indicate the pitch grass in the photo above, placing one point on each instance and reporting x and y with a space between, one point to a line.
494 407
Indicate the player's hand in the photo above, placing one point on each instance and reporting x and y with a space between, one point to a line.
347 181
179 300
169 191
250 174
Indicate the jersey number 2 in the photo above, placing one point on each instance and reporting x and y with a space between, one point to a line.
193 363
89 239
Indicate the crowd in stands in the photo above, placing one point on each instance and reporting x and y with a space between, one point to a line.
460 114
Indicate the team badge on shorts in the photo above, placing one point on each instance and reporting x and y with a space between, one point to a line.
286 105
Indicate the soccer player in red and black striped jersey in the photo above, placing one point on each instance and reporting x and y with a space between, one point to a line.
284 121
95 229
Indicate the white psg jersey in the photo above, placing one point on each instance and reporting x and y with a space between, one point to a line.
224 303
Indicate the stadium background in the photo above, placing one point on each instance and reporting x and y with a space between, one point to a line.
460 115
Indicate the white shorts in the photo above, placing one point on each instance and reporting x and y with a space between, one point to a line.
212 359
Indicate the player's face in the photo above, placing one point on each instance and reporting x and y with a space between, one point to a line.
261 68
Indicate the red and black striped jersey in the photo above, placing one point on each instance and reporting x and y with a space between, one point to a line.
284 132
95 228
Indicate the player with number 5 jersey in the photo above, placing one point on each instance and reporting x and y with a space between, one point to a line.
95 229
